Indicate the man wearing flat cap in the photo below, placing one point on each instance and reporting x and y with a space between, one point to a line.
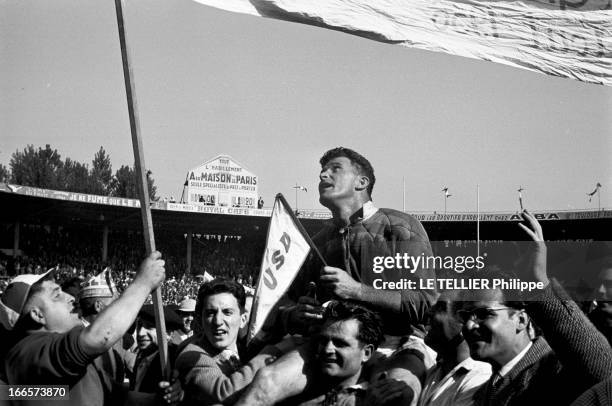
186 310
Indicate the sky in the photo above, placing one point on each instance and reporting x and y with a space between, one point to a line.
276 95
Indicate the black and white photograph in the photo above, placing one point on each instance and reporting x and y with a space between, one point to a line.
291 202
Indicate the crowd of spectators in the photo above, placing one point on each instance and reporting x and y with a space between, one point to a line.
76 253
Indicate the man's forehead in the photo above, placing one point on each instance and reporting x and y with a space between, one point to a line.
606 273
339 160
47 291
50 286
483 298
341 328
146 323
222 300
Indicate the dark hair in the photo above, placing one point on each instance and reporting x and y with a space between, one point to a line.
220 285
510 298
363 165
88 306
370 323
72 286
515 301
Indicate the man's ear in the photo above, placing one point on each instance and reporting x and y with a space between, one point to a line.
98 305
37 315
362 182
244 318
368 351
523 321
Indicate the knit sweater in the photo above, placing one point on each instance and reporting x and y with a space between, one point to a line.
209 376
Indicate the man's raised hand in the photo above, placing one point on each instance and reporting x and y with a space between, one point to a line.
152 272
534 264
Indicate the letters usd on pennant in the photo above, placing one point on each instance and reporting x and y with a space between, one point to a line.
286 250
566 38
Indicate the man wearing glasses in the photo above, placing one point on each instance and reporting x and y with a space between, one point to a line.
499 332
526 370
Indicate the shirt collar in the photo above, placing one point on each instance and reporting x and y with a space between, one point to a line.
468 364
506 368
367 210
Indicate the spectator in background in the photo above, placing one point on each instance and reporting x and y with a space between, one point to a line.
147 367
601 314
95 295
455 377
186 310
72 286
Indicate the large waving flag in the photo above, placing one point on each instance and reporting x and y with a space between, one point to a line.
566 38
287 247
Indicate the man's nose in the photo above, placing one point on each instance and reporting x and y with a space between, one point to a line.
602 292
69 298
324 174
329 347
471 324
218 319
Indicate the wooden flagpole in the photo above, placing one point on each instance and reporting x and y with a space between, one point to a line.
145 209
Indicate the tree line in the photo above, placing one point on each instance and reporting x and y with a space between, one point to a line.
44 168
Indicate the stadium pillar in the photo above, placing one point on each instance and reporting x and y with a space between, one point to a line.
16 238
105 243
188 259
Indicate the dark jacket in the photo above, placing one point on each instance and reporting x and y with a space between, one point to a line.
353 248
582 358
152 375
532 381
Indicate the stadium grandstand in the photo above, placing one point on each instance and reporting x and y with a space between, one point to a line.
80 234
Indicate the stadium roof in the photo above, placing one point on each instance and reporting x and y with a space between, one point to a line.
44 206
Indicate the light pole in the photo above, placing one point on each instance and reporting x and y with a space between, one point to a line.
446 196
403 194
298 187
596 191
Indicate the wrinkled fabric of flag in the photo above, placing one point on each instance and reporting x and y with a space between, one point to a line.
286 250
565 38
